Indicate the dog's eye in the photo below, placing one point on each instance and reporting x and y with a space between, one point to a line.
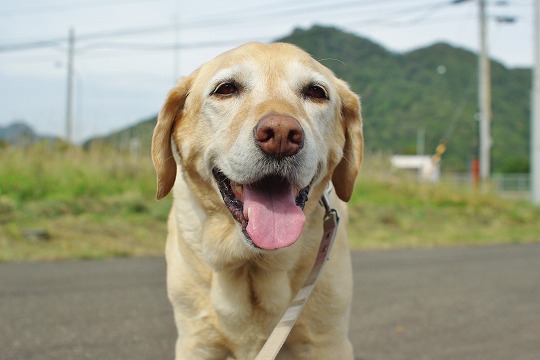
226 89
316 92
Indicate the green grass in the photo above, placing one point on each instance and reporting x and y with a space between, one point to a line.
100 203
391 210
91 204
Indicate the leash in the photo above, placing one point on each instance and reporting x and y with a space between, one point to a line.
283 328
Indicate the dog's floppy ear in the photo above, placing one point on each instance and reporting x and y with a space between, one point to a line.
344 176
162 156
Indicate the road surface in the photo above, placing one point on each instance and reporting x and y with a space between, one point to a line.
460 303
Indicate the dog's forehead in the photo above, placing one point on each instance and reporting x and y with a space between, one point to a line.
264 54
271 61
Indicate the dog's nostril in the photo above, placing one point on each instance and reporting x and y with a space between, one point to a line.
279 136
264 134
296 136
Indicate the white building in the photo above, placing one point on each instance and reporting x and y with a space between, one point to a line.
424 166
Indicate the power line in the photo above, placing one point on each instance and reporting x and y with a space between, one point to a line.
32 45
385 7
169 46
220 21
389 18
68 6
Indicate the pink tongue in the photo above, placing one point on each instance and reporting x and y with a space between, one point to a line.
274 220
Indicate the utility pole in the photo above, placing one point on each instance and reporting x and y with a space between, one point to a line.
69 86
420 141
176 58
484 96
535 112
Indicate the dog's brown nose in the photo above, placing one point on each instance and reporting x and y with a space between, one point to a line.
279 136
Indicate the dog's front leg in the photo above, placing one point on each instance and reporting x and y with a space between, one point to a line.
199 347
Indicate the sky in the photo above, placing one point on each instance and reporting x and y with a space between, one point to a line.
128 53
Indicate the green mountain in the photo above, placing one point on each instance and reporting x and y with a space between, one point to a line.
21 134
134 138
433 89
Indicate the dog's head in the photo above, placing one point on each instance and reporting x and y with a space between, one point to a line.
265 127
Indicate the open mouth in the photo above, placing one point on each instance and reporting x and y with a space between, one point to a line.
269 210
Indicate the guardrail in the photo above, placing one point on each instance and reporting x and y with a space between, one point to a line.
512 182
503 183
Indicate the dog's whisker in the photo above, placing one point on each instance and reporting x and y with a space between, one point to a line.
332 59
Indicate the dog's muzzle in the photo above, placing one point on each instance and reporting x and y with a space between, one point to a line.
269 210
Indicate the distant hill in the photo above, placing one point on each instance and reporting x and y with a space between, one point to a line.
17 132
433 88
133 138
20 134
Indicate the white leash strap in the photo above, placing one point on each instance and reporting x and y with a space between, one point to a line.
283 328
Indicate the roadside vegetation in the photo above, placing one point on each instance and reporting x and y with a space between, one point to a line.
61 202
392 210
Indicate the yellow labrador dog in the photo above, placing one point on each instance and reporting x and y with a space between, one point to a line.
248 144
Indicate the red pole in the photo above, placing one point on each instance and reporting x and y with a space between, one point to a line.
475 172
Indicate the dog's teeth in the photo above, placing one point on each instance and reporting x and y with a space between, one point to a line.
237 188
248 213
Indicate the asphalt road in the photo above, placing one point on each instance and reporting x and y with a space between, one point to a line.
461 303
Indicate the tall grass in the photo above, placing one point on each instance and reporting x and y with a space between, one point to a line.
390 209
100 203
48 172
88 203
